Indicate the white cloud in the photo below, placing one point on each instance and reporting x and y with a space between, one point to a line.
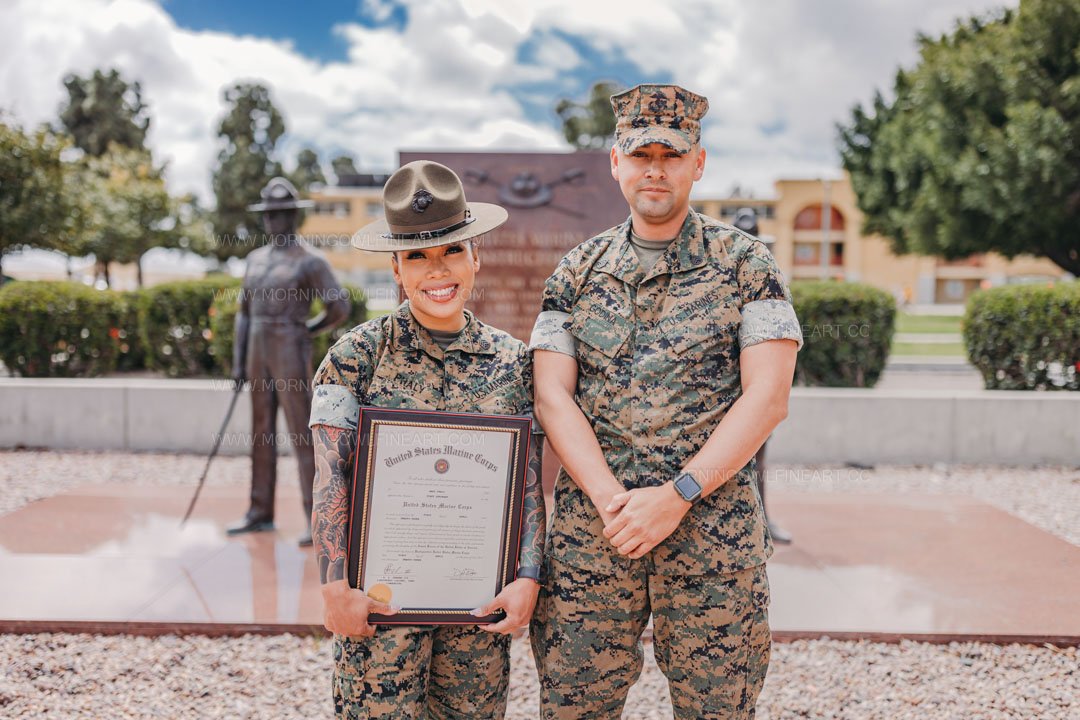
556 54
778 73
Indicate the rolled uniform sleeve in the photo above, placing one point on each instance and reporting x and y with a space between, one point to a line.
552 328
767 311
341 376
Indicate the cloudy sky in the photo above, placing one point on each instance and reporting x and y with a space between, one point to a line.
372 77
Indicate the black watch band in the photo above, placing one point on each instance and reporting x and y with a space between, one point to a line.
533 572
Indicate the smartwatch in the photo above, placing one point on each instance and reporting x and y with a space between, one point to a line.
688 488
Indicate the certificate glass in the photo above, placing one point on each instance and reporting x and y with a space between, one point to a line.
436 511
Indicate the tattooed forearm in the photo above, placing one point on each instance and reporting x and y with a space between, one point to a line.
534 516
330 523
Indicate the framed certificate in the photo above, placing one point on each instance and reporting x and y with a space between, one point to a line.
436 509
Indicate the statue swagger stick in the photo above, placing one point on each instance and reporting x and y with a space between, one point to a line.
237 388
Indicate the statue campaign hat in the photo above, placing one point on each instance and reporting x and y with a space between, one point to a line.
424 206
665 114
280 194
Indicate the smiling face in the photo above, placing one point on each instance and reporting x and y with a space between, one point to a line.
656 182
437 282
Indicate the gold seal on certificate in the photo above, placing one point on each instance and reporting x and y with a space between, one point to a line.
436 509
380 593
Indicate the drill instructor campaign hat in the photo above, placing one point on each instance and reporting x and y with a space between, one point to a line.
280 194
424 206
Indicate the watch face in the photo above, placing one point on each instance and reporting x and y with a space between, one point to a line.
687 486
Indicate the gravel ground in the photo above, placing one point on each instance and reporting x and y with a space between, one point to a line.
85 676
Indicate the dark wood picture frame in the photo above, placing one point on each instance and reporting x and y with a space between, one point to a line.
365 482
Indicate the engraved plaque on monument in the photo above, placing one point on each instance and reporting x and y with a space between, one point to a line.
555 201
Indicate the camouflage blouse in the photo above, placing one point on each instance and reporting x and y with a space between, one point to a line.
393 362
658 368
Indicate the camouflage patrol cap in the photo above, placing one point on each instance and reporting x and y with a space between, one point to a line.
665 114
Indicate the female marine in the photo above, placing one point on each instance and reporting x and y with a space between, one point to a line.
430 354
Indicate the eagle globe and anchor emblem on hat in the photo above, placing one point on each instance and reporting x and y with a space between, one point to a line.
421 200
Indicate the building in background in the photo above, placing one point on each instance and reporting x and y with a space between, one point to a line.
814 230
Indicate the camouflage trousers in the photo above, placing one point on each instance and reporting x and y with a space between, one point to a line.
448 672
710 635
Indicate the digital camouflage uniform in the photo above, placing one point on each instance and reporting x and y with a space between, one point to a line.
393 362
658 368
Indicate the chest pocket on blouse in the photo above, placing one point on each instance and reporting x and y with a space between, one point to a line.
603 356
600 332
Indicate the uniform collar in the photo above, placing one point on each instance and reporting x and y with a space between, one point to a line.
411 335
619 258
687 252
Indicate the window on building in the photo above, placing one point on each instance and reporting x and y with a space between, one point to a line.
836 254
811 218
374 208
809 253
337 208
806 253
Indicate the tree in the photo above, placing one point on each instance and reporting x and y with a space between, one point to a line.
308 170
36 208
104 109
590 125
194 224
129 208
979 150
250 129
344 164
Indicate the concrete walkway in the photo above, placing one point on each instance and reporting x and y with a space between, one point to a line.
112 558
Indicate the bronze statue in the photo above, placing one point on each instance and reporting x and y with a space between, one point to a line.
746 220
272 347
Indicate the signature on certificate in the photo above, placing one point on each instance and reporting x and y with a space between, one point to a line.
463 572
395 570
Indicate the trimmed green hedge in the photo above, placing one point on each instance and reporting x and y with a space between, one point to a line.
132 353
60 329
223 315
185 328
847 331
174 324
1025 337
